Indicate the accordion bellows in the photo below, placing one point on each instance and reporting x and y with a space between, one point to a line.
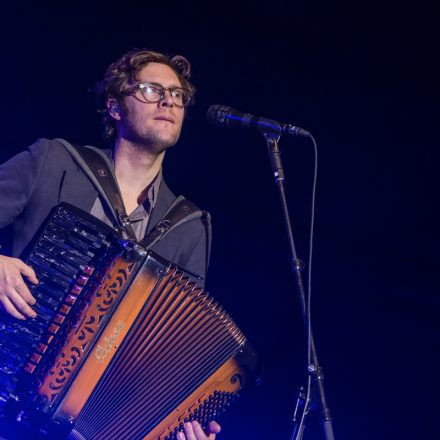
125 345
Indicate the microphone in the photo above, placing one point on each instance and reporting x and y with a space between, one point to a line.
227 117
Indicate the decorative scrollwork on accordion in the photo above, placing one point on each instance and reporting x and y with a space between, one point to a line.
125 344
102 299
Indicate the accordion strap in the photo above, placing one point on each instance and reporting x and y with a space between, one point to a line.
98 167
179 212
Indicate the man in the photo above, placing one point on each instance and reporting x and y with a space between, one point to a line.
145 95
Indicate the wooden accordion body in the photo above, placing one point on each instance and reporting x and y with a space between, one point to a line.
125 345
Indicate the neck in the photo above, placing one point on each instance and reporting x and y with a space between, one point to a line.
135 167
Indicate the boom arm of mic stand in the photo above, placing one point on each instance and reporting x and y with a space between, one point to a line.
313 369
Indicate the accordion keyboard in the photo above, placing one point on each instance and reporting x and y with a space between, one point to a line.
63 256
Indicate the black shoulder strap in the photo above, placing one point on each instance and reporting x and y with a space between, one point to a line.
97 166
179 212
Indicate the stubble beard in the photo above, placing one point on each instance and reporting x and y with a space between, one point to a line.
150 140
156 143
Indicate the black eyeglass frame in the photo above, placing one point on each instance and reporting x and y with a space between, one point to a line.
163 89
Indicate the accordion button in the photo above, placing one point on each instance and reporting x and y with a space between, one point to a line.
59 319
53 329
65 309
76 289
30 367
42 348
88 270
82 280
36 358
70 299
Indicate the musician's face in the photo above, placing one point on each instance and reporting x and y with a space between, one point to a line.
155 126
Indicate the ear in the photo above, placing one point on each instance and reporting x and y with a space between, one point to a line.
114 109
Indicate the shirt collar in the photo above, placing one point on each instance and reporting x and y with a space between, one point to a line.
148 196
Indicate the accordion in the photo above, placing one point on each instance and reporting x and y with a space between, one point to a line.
125 345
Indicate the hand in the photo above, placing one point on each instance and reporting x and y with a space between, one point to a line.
15 297
193 431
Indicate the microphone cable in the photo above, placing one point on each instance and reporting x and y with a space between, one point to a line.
297 433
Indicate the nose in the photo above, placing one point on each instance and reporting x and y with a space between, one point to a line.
166 99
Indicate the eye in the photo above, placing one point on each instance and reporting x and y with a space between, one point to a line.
152 89
177 93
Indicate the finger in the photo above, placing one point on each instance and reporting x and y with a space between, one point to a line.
200 433
189 432
214 427
180 435
20 304
9 308
24 292
27 271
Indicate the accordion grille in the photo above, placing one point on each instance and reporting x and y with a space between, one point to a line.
180 338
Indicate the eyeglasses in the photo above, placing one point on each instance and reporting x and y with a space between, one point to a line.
153 92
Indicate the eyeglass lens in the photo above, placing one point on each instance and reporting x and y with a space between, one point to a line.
155 92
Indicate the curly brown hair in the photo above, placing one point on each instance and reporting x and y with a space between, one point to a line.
121 75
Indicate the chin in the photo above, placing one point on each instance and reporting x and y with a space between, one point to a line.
160 143
159 148
155 141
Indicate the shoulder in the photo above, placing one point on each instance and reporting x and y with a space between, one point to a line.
43 169
55 148
43 152
38 159
45 146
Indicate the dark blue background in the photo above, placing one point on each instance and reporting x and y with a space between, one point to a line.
363 78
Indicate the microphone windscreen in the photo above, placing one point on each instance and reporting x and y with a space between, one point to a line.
219 115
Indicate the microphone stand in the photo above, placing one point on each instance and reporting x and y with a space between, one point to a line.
272 136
